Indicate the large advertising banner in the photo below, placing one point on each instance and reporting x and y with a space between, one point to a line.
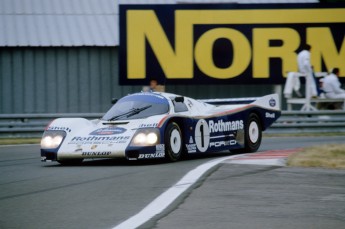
227 43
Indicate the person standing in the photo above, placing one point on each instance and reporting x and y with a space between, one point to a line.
304 66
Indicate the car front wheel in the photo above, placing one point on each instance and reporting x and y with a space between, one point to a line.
173 142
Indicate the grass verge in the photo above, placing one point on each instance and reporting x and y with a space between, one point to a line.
324 156
16 141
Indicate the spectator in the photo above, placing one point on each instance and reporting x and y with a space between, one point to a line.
332 87
304 66
154 87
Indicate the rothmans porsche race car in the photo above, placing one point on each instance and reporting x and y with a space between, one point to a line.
161 125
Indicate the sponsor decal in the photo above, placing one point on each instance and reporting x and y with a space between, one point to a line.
270 115
191 148
143 125
272 102
59 128
108 131
202 135
223 143
189 103
152 155
106 153
221 126
191 140
204 129
227 43
160 147
160 153
99 140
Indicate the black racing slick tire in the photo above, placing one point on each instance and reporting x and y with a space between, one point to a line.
253 133
173 142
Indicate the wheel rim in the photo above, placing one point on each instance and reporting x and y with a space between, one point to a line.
175 141
253 132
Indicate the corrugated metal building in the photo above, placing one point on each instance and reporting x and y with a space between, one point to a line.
60 56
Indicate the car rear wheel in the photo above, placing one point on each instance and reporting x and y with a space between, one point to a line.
253 133
173 142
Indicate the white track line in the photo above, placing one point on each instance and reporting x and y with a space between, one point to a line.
159 204
272 161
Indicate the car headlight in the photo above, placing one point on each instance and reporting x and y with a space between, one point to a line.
52 139
146 137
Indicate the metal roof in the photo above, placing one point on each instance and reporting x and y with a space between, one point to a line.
74 22
58 23
212 1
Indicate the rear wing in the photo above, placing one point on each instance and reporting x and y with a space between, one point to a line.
268 101
233 101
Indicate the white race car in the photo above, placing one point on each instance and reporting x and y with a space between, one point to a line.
161 125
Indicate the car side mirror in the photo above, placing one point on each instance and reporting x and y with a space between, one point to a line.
114 100
179 99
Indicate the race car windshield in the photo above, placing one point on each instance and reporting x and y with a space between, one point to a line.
137 106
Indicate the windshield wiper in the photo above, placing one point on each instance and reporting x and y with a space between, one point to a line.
130 113
138 110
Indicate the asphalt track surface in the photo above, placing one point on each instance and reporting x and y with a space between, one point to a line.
104 193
